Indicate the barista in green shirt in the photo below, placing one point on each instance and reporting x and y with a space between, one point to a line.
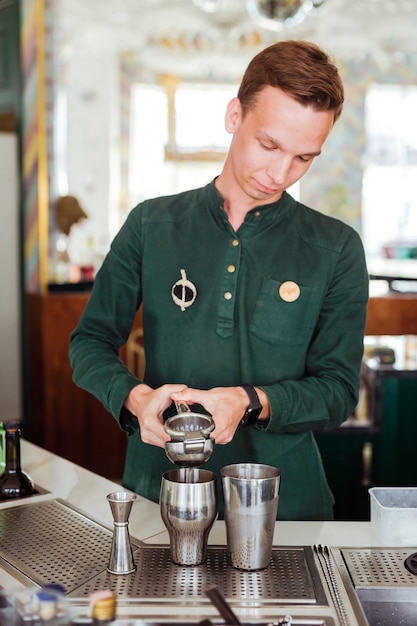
240 284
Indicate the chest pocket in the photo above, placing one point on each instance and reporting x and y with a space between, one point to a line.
283 323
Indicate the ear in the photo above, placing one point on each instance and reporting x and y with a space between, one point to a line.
233 115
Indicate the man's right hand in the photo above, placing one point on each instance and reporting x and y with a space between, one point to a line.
148 405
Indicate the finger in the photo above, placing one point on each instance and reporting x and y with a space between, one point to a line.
153 438
222 434
193 396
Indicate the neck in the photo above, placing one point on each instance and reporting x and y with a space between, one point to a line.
236 203
236 217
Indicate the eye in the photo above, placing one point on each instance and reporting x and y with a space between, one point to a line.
267 146
305 159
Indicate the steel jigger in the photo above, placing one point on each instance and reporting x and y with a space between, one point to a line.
121 555
190 444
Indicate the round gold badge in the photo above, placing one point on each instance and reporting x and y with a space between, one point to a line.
289 291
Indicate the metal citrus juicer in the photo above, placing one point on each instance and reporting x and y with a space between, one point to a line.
191 444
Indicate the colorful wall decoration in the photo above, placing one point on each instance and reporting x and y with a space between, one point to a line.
34 56
334 185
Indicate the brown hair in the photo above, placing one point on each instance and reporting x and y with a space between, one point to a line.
301 69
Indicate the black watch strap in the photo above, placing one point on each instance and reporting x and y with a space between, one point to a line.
254 409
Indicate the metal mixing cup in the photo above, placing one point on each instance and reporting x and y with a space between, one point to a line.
250 494
188 504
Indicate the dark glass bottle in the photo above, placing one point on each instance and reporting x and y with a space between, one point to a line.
14 482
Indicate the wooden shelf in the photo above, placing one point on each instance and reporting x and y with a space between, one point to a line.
392 314
62 417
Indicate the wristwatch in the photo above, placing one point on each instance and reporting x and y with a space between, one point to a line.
254 409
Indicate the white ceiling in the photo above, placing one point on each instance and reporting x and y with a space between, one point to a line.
177 36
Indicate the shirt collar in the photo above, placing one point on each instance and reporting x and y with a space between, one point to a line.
273 212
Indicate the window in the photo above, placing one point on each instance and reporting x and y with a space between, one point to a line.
148 135
390 172
199 120
177 137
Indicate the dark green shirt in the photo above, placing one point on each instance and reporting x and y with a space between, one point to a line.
214 315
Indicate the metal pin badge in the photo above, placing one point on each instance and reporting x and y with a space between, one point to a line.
289 291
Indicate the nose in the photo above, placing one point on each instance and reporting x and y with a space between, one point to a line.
278 169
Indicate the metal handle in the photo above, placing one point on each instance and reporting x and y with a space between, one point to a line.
182 407
194 443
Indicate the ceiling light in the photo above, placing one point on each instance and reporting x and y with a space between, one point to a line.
279 14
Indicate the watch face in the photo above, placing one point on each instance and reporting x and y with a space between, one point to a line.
254 409
250 416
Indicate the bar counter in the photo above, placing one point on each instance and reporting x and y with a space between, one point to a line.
60 479
87 491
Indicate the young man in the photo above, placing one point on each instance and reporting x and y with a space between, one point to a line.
240 285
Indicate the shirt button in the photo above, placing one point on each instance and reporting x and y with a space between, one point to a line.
235 242
257 213
231 269
227 295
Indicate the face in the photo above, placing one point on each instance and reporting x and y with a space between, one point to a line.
274 144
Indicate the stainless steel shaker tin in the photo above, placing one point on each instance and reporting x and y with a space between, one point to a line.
250 494
188 505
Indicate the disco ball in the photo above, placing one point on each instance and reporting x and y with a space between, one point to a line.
278 14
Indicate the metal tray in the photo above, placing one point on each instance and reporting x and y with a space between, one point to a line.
51 541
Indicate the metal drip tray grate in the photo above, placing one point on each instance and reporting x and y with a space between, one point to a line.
376 567
53 542
288 579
